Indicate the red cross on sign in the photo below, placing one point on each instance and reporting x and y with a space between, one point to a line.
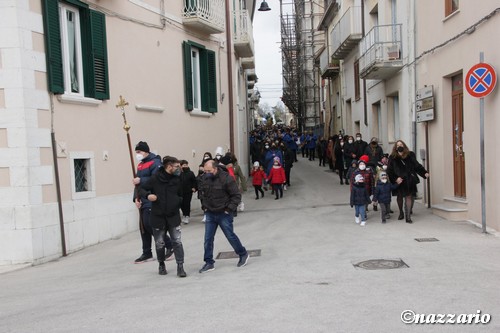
480 80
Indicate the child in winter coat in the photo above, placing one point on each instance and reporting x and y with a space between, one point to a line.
277 178
383 194
258 175
359 199
367 174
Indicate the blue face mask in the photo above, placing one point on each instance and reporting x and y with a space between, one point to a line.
177 172
209 175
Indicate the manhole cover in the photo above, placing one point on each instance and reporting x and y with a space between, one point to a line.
375 264
427 239
232 254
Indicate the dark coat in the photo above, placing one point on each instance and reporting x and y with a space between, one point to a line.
339 156
349 149
359 195
145 169
382 193
220 193
408 169
188 181
166 208
359 148
375 154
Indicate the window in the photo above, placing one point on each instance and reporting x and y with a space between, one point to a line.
450 6
357 90
82 175
200 83
393 118
75 39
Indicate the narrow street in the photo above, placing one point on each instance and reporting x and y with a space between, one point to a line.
305 279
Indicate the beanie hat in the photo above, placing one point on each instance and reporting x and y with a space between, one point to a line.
277 159
225 160
364 158
359 178
142 146
256 164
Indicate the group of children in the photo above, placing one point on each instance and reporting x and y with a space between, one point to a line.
366 182
276 178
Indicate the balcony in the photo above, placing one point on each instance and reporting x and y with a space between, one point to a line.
204 16
346 33
250 84
329 67
331 10
381 52
248 63
243 34
251 76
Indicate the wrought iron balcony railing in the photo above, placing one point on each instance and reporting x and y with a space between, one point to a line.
206 16
243 34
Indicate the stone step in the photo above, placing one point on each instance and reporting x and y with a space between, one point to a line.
453 209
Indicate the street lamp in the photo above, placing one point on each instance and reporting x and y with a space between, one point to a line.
264 7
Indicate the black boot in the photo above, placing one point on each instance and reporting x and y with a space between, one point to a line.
162 270
408 219
401 215
180 271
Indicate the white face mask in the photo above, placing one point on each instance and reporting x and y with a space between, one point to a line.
350 141
139 157
341 144
358 138
362 167
384 167
384 180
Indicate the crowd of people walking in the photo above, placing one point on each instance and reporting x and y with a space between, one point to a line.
164 187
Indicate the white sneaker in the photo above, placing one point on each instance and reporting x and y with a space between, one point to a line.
186 219
241 206
284 187
356 219
363 223
204 219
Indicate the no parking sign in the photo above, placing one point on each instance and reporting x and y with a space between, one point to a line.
480 80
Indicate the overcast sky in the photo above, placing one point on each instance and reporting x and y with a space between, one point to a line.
267 39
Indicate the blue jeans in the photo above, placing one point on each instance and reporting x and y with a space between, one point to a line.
360 210
225 221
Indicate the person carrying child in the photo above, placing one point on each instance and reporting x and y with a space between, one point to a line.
359 199
383 194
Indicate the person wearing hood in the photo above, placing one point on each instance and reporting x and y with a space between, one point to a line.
164 191
220 198
189 185
277 178
374 153
149 164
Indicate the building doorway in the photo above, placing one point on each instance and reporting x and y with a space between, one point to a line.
457 110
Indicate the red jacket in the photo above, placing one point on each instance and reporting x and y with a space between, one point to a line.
257 176
277 175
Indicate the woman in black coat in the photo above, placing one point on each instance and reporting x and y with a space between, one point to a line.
404 169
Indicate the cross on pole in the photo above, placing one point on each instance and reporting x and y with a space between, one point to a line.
121 105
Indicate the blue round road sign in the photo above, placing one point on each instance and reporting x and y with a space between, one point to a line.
480 80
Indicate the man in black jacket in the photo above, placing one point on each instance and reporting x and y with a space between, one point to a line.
163 190
220 198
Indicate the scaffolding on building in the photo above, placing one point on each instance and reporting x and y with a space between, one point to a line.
300 84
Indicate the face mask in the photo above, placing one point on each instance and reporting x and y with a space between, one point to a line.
400 149
185 168
341 144
384 167
139 157
177 172
362 167
267 147
276 164
350 141
384 180
209 175
358 138
206 157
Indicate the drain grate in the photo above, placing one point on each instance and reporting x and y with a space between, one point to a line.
427 239
376 264
232 254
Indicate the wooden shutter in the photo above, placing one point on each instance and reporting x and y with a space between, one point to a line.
52 34
99 65
188 76
212 82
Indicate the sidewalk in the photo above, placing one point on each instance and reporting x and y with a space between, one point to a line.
304 281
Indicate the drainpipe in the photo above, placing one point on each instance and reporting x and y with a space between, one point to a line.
365 103
230 76
58 182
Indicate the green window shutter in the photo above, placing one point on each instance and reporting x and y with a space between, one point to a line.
188 76
204 81
99 55
52 34
212 82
